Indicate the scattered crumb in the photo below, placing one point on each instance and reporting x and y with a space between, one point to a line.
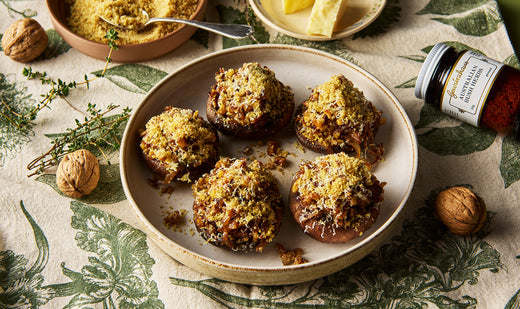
291 257
299 146
278 157
248 150
272 148
279 160
153 182
166 190
175 220
276 163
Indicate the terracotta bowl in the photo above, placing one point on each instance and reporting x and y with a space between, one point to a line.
59 12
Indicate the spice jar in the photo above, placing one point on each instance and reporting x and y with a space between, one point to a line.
471 87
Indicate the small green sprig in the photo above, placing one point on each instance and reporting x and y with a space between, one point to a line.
95 131
112 36
59 88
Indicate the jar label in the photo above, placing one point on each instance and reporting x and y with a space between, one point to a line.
468 85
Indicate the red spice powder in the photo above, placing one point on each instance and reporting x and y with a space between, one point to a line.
503 103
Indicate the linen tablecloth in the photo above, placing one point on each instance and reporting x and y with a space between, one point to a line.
58 252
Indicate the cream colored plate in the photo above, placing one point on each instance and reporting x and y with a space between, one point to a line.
301 69
359 14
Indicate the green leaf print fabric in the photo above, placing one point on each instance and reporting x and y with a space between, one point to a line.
93 252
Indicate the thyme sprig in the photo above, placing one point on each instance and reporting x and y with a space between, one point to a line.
95 131
61 89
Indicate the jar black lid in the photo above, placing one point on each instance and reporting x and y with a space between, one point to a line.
428 69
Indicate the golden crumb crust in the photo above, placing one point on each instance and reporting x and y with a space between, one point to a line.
335 197
84 19
249 101
338 117
238 205
179 144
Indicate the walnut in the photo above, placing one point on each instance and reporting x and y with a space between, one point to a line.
461 210
24 40
78 173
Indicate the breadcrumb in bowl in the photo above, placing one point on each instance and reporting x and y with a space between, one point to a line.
60 11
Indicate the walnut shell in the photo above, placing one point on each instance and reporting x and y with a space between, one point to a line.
461 210
24 40
78 173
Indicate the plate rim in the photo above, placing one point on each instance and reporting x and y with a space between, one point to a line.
351 30
240 268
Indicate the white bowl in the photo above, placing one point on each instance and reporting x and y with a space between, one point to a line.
301 69
359 14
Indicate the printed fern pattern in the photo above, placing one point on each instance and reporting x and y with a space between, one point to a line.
421 266
118 275
415 269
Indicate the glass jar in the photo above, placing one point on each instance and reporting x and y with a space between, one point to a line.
471 87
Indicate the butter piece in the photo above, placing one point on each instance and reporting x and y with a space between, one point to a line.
291 6
325 16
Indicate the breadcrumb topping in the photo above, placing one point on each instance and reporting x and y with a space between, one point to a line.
179 138
249 95
338 115
337 187
238 205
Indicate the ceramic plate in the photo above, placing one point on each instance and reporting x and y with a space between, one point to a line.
301 69
359 14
